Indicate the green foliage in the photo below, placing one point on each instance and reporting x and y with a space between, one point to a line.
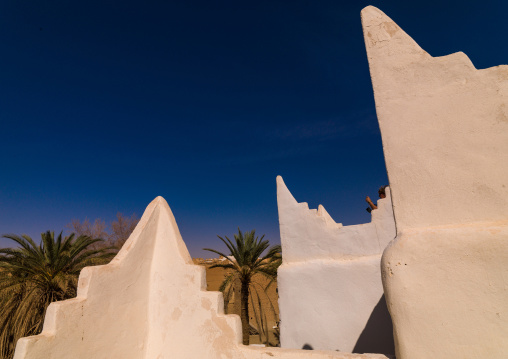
246 262
32 276
260 314
246 253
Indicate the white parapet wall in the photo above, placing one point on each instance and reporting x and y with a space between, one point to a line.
444 126
330 290
150 302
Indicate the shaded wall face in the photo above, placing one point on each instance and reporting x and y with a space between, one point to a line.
330 290
335 306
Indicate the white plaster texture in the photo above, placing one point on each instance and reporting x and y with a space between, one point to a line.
330 279
444 126
150 302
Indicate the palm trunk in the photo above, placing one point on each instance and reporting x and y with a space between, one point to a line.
244 312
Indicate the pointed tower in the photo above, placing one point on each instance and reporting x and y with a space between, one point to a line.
444 127
149 302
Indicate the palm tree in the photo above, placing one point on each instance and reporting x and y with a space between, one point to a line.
32 276
246 262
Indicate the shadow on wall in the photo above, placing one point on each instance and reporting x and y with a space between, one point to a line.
377 336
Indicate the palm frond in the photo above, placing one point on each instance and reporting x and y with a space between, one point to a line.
248 261
228 279
224 266
34 275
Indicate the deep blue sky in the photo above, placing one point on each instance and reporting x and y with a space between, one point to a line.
105 105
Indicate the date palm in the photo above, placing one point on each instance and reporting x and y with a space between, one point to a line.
245 260
34 275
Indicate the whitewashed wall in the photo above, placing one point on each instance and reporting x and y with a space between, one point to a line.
148 303
444 126
330 290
